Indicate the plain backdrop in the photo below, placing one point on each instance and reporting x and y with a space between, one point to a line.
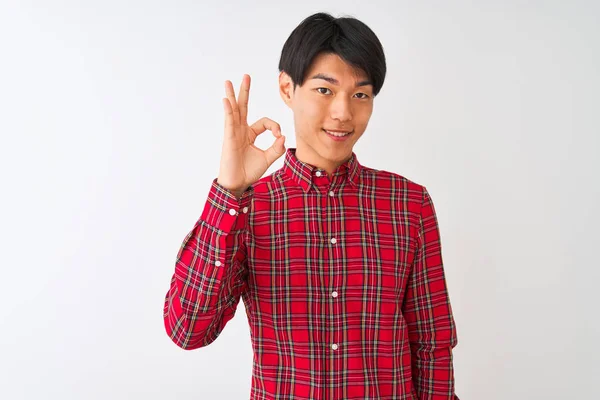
111 127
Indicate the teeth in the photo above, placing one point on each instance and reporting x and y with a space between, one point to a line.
338 134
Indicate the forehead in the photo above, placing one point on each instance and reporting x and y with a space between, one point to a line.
334 65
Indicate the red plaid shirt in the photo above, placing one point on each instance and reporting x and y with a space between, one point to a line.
341 277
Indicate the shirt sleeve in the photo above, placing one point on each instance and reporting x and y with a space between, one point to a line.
210 271
427 311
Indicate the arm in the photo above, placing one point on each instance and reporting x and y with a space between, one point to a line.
210 271
427 310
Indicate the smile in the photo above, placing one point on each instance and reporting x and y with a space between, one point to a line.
337 135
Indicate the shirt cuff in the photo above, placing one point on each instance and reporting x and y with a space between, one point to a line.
224 211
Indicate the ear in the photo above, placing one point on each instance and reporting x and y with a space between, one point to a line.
286 88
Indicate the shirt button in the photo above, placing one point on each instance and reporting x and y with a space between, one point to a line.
218 263
318 173
232 212
331 193
334 346
333 240
245 210
334 294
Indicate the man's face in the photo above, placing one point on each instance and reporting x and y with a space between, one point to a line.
334 96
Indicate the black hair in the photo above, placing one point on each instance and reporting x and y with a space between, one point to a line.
352 40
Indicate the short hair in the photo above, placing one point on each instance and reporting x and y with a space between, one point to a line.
352 40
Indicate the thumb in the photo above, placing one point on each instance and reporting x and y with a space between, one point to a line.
276 150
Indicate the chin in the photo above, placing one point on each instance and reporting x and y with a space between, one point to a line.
337 154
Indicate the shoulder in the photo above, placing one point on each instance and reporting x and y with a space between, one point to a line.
398 184
265 185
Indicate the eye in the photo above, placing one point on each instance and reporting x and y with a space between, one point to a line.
319 90
364 96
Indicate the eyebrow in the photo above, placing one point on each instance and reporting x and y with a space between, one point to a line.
334 81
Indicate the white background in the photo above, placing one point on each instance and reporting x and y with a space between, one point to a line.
111 122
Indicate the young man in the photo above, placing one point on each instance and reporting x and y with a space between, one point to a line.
339 265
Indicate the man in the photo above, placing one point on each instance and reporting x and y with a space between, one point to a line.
339 265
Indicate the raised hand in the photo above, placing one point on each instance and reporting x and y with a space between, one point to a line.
242 163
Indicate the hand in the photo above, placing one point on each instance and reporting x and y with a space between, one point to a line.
242 163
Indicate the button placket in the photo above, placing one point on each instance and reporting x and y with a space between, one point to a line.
334 294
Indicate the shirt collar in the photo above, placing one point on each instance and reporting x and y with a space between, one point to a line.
304 174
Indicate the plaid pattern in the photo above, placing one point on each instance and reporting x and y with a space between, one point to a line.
341 277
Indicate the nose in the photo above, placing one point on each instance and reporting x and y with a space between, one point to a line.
341 109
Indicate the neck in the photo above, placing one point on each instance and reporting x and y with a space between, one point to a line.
309 156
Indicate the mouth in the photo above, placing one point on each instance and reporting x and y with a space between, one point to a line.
338 136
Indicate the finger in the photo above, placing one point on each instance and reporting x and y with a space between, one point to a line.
276 150
243 99
234 106
262 125
229 127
